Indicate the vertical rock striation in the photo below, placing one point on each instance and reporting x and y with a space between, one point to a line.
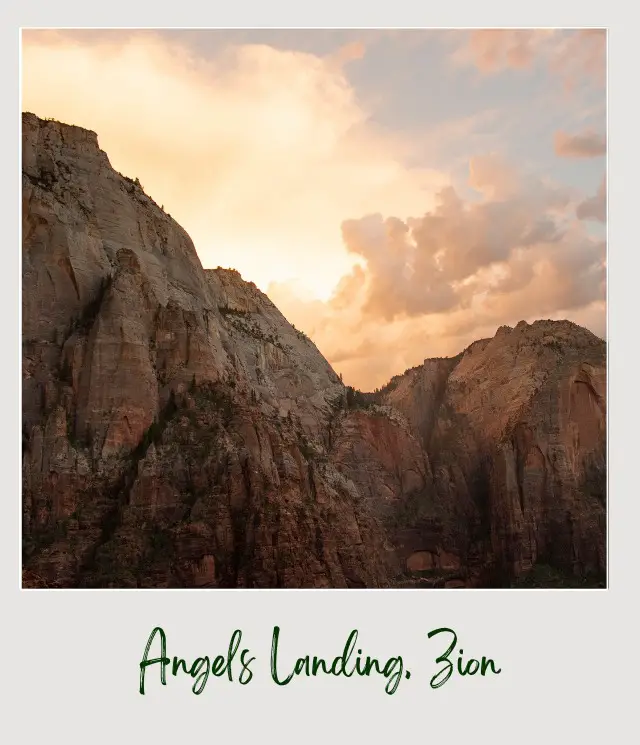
179 432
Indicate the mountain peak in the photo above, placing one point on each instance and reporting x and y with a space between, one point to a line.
178 431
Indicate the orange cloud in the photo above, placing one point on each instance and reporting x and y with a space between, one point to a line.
495 49
580 55
581 145
259 154
430 285
572 55
351 52
425 265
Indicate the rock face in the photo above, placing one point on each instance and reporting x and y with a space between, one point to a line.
515 428
179 432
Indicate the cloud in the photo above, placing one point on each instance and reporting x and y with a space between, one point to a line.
580 56
426 264
350 52
430 285
258 152
594 208
261 154
496 49
587 144
574 56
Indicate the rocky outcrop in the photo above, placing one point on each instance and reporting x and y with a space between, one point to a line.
515 428
175 425
179 432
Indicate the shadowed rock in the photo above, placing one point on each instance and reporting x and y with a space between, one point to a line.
179 432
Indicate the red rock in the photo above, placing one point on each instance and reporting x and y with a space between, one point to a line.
179 432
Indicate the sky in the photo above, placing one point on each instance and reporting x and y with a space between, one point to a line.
398 194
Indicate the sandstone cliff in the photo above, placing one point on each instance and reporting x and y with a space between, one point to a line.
179 432
515 428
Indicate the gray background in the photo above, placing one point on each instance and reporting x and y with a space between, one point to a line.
566 656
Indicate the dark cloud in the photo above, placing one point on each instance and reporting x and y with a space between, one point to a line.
581 145
594 208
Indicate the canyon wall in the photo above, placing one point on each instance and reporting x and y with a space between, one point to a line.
179 432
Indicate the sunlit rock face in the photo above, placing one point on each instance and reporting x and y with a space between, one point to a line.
179 432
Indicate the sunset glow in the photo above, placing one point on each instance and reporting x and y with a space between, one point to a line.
396 196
